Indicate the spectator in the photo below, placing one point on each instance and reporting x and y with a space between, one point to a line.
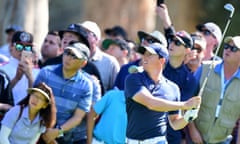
197 54
72 90
213 36
116 32
10 30
151 94
51 48
21 72
111 127
25 122
118 48
220 99
107 65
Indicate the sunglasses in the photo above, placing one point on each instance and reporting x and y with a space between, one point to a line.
198 49
69 53
149 40
177 42
21 47
232 48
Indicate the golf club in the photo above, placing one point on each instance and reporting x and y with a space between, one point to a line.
229 7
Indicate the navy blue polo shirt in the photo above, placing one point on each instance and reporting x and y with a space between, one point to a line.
184 79
144 123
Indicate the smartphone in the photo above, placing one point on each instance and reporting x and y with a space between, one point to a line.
26 55
159 2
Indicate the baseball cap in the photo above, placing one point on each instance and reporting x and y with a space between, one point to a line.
185 38
116 31
14 28
121 43
77 29
80 50
199 39
236 40
93 27
213 28
156 35
22 37
155 48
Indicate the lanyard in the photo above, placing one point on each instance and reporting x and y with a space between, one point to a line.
224 84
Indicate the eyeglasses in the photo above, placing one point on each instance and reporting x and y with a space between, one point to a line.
177 42
21 47
148 40
69 53
232 48
198 49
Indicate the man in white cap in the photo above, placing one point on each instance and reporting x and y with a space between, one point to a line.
213 36
107 65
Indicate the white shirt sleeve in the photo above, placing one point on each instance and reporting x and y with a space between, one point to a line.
4 134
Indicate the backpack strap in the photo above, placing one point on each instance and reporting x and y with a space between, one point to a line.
20 113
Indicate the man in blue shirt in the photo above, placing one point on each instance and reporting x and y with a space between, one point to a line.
72 91
150 95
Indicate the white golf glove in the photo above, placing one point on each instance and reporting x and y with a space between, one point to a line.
191 115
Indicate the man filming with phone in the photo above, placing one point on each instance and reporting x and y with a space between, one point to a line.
20 67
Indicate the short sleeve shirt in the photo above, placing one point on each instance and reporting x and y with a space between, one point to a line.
70 94
23 130
144 123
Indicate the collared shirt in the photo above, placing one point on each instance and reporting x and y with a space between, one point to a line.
23 129
20 89
122 74
144 123
108 67
70 94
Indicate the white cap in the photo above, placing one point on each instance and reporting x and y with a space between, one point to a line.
93 27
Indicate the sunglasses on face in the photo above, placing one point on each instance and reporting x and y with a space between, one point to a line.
69 53
198 49
232 48
21 47
149 40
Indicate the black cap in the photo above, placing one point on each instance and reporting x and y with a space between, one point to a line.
22 37
79 30
116 31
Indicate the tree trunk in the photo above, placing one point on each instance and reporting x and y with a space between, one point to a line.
32 15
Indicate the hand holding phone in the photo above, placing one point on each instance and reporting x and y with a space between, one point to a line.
159 2
26 55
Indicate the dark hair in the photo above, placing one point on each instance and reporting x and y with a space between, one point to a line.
49 113
55 33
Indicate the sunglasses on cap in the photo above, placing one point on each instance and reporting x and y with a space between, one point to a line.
207 33
149 40
232 48
198 49
21 47
177 42
68 52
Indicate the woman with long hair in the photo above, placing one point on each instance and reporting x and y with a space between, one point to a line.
25 122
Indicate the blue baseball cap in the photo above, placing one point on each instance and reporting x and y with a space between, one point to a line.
155 48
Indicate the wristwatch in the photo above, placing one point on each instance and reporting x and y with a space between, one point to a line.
60 131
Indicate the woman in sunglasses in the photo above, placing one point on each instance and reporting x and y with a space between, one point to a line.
25 122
